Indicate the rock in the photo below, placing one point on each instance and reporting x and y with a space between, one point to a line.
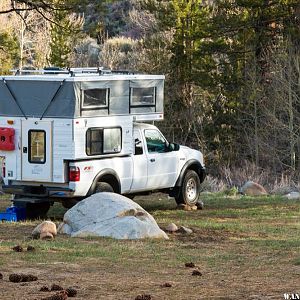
187 207
200 205
45 230
44 289
293 196
1 276
284 190
185 230
251 188
171 227
110 215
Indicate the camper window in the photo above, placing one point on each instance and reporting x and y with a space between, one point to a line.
37 146
142 96
103 141
95 98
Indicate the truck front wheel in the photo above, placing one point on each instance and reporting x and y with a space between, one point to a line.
104 187
189 190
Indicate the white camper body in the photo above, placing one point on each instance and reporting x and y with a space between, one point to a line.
66 136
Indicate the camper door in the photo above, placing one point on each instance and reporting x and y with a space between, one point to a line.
36 150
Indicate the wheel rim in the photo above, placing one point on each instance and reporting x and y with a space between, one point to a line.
191 190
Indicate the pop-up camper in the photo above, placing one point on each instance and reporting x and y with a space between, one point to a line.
67 134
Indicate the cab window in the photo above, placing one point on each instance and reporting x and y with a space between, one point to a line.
156 143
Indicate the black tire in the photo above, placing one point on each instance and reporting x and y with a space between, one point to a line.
104 187
190 189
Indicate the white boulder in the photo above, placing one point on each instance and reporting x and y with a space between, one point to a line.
110 215
251 188
293 196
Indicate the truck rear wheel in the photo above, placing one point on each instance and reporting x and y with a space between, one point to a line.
104 187
190 189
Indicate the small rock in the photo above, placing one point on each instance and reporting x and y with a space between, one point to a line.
30 248
56 287
18 248
46 229
194 207
71 292
143 297
190 265
1 276
166 285
171 227
44 289
200 205
196 273
293 196
185 230
251 188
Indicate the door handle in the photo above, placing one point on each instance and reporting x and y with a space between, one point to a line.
24 149
152 159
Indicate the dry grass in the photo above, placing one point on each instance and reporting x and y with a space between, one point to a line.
245 248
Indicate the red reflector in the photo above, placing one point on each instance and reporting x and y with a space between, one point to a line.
74 174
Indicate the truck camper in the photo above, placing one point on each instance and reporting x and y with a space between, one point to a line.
66 134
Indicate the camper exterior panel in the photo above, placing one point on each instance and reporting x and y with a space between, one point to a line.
81 127
63 148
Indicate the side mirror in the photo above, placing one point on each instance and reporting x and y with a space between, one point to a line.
173 147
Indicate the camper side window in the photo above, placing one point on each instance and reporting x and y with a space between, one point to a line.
103 141
142 96
95 98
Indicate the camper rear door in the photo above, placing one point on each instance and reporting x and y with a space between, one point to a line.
36 150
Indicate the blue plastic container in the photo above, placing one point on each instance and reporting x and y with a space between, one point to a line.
13 214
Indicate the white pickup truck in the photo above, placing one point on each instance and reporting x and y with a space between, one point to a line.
69 134
155 165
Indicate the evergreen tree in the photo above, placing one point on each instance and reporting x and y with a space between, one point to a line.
65 29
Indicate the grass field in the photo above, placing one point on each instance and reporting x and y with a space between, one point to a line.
245 248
